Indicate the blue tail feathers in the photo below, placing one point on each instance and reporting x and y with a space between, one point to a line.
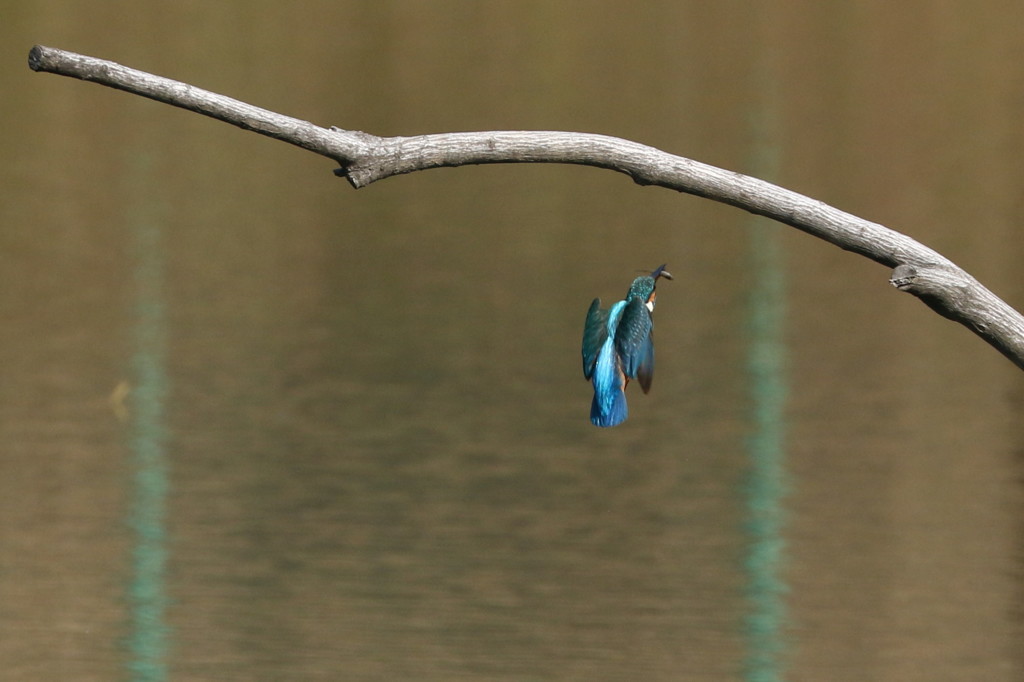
609 409
609 405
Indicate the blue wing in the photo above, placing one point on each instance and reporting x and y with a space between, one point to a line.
633 341
595 331
645 372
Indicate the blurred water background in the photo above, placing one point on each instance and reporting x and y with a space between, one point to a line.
258 426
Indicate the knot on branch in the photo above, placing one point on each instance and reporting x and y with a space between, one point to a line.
355 148
903 276
947 290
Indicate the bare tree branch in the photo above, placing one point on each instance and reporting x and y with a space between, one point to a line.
366 158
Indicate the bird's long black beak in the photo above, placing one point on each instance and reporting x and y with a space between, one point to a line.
660 271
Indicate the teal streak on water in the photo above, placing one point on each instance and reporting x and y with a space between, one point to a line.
147 639
766 485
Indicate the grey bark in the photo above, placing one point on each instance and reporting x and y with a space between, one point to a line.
365 158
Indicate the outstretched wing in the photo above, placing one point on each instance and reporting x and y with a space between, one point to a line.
645 372
595 331
633 341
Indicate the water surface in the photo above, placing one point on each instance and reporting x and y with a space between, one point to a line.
258 425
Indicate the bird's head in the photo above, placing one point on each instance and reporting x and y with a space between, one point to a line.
643 286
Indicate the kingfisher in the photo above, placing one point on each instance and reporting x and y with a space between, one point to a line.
618 345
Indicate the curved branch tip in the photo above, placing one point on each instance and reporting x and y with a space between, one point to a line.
35 57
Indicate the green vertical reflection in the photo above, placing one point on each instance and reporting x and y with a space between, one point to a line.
766 485
147 640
